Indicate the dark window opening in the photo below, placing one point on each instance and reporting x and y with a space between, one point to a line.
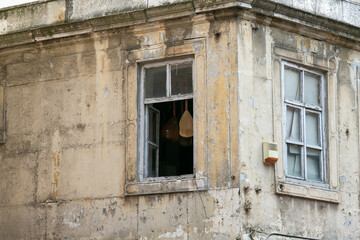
175 152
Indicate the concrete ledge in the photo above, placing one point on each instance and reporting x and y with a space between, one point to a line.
346 11
307 191
271 8
166 186
176 10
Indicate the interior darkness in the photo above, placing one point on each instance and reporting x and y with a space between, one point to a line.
175 158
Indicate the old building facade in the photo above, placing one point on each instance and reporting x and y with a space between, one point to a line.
94 95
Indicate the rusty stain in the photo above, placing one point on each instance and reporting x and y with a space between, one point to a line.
60 16
56 159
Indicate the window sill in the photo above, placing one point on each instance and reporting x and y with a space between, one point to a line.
166 186
307 191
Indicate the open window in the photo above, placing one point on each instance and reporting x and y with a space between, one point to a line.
304 134
166 123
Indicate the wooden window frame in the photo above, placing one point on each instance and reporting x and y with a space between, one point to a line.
135 184
143 110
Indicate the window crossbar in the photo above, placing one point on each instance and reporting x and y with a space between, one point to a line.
167 99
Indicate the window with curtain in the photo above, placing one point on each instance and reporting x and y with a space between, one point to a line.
303 96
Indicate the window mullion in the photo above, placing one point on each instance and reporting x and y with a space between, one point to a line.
143 129
321 126
168 80
322 147
146 142
294 142
302 84
168 99
314 147
320 129
153 144
157 142
303 131
303 125
294 103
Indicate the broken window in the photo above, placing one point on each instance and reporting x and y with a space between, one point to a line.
304 124
166 119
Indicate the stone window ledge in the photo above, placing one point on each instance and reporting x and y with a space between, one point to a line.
307 191
166 186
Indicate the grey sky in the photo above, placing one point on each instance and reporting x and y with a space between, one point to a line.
8 3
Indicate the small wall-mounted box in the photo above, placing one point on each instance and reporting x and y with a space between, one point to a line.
270 152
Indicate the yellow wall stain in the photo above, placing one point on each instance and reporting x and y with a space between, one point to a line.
61 15
56 160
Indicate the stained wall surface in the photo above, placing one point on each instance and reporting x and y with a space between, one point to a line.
69 166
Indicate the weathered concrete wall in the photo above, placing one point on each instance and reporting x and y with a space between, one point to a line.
32 16
260 98
56 13
63 165
343 11
72 121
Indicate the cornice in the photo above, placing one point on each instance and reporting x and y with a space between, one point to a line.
264 11
279 11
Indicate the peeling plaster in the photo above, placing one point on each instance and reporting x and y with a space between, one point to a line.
241 133
106 92
224 213
174 235
73 218
251 101
71 224
242 177
347 221
3 26
152 54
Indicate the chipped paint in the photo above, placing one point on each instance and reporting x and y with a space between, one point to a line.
3 26
73 217
224 213
251 101
71 224
347 221
178 234
106 92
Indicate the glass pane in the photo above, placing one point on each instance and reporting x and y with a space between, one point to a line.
293 124
155 82
152 159
152 126
312 129
181 78
294 160
313 164
292 84
312 89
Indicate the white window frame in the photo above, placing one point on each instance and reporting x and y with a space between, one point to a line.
143 116
322 127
